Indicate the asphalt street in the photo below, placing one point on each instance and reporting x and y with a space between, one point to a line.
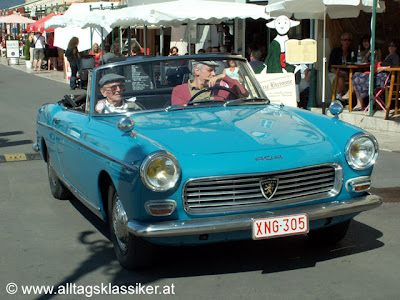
55 243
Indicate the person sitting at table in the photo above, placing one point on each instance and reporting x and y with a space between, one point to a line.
361 80
365 48
340 56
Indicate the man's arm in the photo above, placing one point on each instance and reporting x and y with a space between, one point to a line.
235 86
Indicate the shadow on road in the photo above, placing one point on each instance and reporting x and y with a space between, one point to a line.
4 142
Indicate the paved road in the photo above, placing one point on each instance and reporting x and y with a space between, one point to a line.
21 95
50 242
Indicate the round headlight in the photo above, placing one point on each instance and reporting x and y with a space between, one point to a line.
160 171
361 151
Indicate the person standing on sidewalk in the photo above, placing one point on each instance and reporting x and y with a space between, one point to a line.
39 42
72 56
31 47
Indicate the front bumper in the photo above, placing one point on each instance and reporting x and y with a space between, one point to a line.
244 221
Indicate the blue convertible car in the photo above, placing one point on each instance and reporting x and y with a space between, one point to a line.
184 151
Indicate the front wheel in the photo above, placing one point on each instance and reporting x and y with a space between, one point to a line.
330 235
132 252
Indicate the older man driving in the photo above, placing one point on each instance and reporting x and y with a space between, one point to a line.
112 87
206 77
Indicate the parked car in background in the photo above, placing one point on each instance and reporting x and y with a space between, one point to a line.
223 164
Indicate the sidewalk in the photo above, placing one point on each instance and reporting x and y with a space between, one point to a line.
387 132
53 75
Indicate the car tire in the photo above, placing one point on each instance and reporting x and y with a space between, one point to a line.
132 252
58 190
330 235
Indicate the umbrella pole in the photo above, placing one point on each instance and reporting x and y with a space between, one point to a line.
120 40
102 42
371 74
145 39
324 65
161 40
129 41
313 82
189 39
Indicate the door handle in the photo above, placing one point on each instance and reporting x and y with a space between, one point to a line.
56 121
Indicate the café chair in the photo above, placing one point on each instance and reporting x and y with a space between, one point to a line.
377 95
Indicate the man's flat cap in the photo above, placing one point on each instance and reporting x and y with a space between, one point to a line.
110 78
211 63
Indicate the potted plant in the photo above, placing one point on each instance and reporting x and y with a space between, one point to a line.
27 53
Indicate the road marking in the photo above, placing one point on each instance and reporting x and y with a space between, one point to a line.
19 157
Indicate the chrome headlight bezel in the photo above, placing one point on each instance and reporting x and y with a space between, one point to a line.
149 162
357 139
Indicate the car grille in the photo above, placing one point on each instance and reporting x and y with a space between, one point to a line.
243 192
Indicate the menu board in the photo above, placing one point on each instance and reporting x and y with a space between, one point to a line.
140 79
279 87
12 48
301 51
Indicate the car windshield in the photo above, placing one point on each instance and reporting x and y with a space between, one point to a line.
149 83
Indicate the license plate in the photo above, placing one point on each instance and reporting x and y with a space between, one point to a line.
280 226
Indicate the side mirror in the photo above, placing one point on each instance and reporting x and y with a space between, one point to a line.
336 108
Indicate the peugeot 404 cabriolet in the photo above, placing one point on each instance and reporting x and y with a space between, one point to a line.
185 151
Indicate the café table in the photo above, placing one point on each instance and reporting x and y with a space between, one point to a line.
394 81
352 68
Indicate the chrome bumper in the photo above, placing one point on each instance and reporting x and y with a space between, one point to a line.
244 221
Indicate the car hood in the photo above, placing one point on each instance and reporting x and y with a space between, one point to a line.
216 130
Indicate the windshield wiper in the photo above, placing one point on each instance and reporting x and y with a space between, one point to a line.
247 101
203 101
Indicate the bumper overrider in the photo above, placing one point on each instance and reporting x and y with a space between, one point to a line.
244 221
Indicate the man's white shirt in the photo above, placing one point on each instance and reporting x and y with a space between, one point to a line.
106 107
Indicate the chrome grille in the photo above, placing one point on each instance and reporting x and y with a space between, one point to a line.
239 192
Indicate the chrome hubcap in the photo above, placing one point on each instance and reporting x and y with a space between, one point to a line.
120 225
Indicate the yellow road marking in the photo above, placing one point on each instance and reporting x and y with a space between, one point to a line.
15 157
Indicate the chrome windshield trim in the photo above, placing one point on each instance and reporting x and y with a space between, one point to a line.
240 222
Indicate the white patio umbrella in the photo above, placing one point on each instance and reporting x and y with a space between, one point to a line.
69 25
176 13
16 19
317 9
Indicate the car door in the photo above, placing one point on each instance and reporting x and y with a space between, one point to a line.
68 126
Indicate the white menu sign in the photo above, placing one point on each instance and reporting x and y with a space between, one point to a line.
279 87
12 49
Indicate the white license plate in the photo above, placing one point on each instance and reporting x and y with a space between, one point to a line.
280 226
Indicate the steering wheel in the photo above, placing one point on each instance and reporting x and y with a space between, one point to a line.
69 100
213 88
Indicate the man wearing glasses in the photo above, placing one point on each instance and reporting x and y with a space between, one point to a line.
112 87
340 56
